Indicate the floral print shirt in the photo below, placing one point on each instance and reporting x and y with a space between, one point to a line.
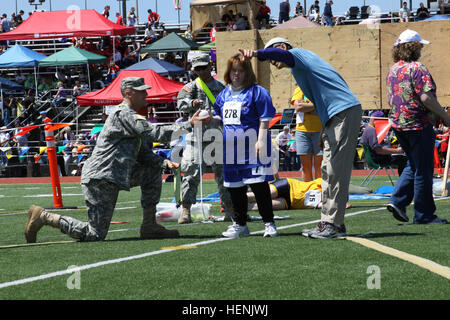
406 82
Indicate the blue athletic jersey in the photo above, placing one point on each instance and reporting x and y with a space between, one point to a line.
241 113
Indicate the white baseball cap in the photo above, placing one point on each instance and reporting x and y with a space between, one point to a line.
410 36
275 41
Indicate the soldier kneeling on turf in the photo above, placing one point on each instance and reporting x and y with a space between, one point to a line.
119 161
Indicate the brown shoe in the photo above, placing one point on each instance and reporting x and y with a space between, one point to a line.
185 216
34 223
157 231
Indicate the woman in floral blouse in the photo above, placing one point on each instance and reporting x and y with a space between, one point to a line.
414 108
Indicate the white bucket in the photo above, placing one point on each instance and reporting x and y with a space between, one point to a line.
167 211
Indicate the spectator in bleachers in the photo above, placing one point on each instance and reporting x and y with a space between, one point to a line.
188 33
3 44
314 12
6 23
4 142
229 16
20 109
285 8
443 4
328 14
241 23
17 19
184 117
153 18
263 14
78 90
404 13
298 10
131 17
44 86
13 20
20 78
212 33
422 12
152 118
119 19
20 141
113 70
150 34
8 106
60 95
105 12
132 56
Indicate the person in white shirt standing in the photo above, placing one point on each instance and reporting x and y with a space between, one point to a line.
283 139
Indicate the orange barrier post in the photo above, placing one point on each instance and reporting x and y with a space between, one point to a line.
53 164
437 163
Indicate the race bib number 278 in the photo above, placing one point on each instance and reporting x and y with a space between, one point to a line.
232 113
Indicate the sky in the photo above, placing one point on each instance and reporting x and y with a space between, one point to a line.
168 14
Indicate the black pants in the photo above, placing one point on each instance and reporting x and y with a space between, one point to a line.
240 202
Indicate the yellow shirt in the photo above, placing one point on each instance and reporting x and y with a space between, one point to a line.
298 190
311 121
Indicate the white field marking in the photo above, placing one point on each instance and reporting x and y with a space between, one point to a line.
124 208
51 195
148 254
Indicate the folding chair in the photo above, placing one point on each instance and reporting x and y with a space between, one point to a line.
375 167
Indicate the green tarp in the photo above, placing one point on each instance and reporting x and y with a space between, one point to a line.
97 128
171 43
72 56
208 46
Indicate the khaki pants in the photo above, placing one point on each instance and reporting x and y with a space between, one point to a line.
339 145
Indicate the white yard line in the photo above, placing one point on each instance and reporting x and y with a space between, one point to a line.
151 253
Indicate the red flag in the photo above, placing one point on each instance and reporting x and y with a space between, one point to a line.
57 126
275 120
381 128
26 130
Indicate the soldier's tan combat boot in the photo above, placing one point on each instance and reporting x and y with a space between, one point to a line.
185 214
37 218
151 230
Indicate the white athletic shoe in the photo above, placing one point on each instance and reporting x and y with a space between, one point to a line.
236 231
270 230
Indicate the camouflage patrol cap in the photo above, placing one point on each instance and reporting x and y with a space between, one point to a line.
135 83
200 60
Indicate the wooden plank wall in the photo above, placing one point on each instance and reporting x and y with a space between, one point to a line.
360 54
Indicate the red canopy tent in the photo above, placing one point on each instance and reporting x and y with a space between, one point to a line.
64 24
163 90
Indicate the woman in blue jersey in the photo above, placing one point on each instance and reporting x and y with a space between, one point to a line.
245 109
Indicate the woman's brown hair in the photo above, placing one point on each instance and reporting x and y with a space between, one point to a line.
408 52
250 78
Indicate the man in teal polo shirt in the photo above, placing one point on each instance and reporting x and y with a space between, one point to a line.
340 113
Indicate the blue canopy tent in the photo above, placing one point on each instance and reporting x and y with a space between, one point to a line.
162 67
438 17
19 56
6 84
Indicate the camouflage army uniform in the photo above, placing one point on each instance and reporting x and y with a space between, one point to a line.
191 170
119 161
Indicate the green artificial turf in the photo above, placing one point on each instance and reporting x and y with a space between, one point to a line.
289 267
